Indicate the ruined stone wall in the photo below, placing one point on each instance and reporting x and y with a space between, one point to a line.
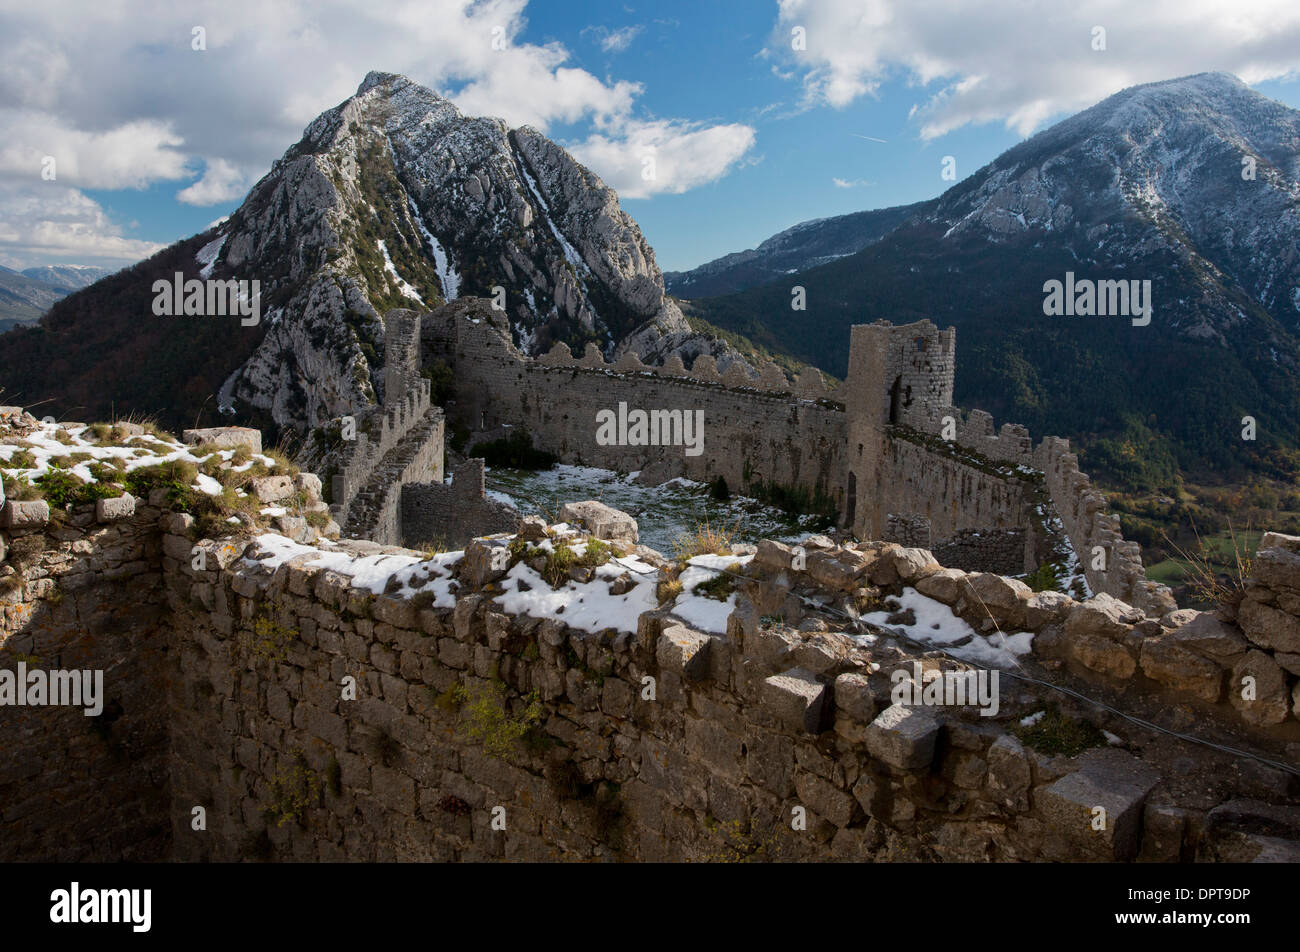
451 515
977 516
751 432
424 466
1001 551
793 433
85 593
744 734
919 357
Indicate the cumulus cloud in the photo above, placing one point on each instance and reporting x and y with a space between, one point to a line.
125 101
641 159
850 183
1023 63
130 155
48 223
221 182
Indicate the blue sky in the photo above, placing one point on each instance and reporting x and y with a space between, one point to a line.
155 140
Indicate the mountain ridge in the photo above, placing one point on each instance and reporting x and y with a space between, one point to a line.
1146 184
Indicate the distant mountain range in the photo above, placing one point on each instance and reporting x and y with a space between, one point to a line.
394 198
1192 184
26 295
798 248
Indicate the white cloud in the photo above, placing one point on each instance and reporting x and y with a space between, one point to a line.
130 155
850 183
1023 63
49 223
613 41
221 182
641 159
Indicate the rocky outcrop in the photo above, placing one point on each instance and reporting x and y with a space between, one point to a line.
394 198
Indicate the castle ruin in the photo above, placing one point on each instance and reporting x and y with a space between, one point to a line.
887 446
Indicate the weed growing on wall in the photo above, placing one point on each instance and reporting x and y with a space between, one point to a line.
270 640
293 792
488 719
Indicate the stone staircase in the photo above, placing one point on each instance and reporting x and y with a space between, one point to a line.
370 502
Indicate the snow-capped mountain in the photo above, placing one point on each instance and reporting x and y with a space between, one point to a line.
1192 184
394 198
1202 168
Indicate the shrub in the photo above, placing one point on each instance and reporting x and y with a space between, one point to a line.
293 793
668 590
704 539
62 489
720 586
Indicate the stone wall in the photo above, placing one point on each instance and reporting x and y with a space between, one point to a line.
951 493
745 733
1241 662
919 357
313 720
1000 551
752 432
854 444
851 444
85 594
453 514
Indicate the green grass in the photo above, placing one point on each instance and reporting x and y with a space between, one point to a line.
1057 733
1218 549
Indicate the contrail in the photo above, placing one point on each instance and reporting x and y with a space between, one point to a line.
872 138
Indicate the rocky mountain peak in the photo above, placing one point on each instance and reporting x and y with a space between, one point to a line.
395 199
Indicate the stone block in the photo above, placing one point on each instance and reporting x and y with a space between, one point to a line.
1108 780
683 651
1045 608
1009 774
1277 564
854 697
112 510
946 585
1269 627
825 799
844 570
227 437
483 562
1264 699
1205 634
774 555
903 737
1100 654
28 514
795 698
1164 661
269 489
395 611
602 521
1102 616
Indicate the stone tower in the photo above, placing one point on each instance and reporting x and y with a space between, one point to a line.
897 375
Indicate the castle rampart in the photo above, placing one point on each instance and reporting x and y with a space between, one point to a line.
887 446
